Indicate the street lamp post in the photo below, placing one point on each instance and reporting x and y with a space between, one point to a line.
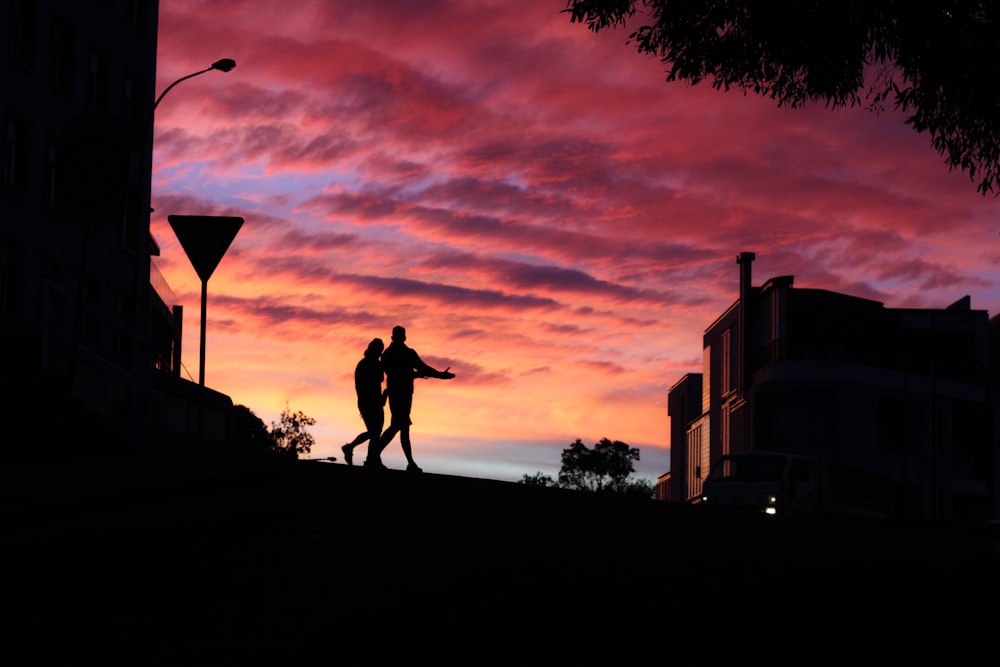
222 65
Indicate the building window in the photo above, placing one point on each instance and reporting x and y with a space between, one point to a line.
140 14
23 33
130 102
63 55
15 154
724 430
124 316
725 363
898 423
774 343
775 317
696 469
706 385
51 172
129 226
98 74
5 305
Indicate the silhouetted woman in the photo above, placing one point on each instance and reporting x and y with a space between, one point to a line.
368 376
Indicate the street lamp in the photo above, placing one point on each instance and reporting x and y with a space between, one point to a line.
196 243
224 65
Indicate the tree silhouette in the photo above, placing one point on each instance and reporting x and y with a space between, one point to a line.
289 435
604 469
937 61
538 479
246 428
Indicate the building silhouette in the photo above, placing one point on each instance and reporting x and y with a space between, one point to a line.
905 393
89 329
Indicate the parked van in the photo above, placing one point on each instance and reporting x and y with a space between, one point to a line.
777 483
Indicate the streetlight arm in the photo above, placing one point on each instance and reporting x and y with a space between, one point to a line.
224 65
183 78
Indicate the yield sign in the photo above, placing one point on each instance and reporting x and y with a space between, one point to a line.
205 239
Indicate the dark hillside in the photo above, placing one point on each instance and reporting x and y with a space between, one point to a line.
282 559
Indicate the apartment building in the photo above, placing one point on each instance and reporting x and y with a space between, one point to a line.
90 332
901 392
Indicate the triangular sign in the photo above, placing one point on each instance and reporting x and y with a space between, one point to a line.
205 239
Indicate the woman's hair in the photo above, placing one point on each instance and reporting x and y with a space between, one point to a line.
375 347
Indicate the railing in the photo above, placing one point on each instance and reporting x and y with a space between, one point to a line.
160 286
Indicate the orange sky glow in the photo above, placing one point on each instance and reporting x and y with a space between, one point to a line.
540 210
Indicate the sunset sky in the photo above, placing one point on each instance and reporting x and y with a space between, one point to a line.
540 210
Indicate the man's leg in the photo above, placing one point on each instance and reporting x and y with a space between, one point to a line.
376 445
404 441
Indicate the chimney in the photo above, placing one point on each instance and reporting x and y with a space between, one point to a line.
745 259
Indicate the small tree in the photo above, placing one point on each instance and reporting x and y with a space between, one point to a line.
538 479
604 469
246 428
289 435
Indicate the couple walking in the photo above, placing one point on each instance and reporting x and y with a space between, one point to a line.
399 365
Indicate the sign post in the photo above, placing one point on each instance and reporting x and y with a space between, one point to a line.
205 239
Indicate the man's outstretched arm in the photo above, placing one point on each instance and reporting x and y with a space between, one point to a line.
425 371
429 372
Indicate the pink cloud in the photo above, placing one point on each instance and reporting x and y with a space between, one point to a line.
541 210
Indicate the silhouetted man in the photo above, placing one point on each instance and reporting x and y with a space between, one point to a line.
401 365
368 377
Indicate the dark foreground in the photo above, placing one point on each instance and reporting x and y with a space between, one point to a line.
264 562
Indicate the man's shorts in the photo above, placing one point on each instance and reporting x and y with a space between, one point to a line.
399 406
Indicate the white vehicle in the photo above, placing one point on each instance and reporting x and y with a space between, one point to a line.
777 483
